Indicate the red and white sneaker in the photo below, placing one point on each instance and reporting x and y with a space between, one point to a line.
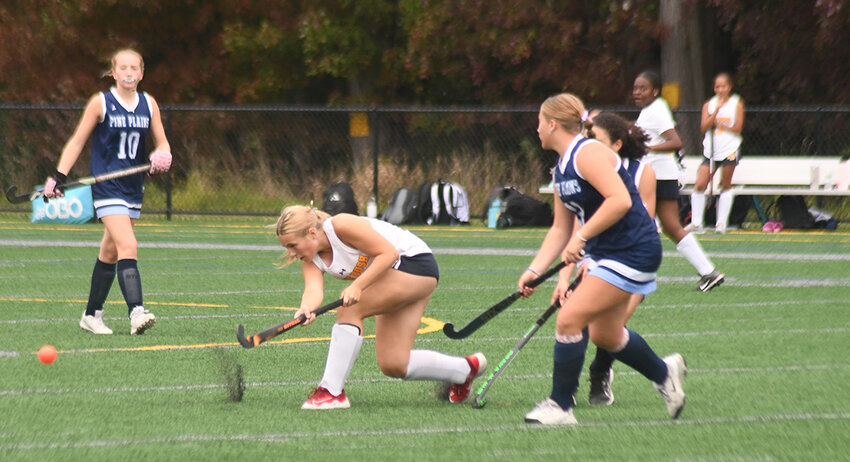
322 399
477 365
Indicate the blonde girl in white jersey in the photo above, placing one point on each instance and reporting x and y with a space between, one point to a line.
722 122
393 274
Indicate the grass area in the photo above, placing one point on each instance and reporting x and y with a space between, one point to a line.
767 354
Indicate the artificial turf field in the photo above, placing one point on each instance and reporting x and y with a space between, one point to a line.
767 354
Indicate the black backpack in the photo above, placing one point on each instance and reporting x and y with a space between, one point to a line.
522 210
339 198
794 212
419 208
399 209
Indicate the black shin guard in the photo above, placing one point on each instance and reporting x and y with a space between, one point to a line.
130 282
102 277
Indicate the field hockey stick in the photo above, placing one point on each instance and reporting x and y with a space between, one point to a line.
490 313
274 331
14 198
479 401
711 164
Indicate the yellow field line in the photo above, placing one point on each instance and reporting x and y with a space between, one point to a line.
431 325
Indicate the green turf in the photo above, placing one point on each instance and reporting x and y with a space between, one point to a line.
767 355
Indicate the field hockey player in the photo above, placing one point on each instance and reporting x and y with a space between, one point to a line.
393 274
592 184
118 122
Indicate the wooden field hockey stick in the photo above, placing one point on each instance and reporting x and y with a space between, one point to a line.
479 401
14 198
274 331
490 313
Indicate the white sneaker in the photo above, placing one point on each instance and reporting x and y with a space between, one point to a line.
95 324
548 412
671 389
141 320
691 228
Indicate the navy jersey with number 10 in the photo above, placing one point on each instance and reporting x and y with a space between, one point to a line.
118 142
633 240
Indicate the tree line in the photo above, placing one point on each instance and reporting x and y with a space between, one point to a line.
420 52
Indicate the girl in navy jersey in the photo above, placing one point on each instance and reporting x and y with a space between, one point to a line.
657 122
592 185
118 122
393 274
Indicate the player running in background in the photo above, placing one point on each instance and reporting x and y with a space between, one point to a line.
118 121
657 122
592 184
393 274
722 122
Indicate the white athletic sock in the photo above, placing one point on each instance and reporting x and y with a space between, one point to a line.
343 350
690 248
697 208
432 365
724 206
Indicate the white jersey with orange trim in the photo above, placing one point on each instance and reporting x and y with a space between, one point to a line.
726 142
348 262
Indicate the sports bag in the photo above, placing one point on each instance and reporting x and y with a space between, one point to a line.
400 207
523 210
449 204
339 198
794 212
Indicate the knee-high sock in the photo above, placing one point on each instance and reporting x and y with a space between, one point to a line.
690 248
342 352
602 361
724 207
130 282
102 277
637 354
568 361
697 208
433 365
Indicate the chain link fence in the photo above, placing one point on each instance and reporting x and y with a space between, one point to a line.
257 159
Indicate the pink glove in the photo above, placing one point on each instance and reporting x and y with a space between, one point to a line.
53 185
160 161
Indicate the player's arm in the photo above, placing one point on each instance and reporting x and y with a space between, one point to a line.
157 129
671 141
161 156
358 233
551 248
314 290
707 120
92 115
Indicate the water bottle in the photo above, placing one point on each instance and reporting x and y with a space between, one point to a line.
493 212
372 208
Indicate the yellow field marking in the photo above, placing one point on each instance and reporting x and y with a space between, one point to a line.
430 325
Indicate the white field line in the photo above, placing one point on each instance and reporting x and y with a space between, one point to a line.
439 251
337 434
307 383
